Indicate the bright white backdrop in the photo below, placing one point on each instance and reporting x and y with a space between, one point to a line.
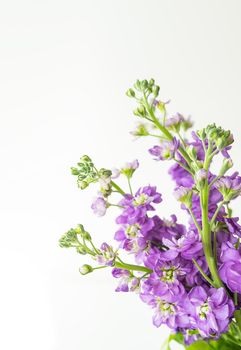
65 66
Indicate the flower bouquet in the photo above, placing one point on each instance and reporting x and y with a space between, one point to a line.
189 275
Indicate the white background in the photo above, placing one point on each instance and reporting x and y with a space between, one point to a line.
65 67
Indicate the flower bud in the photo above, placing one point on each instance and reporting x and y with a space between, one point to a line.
227 164
82 184
201 134
184 195
155 90
144 84
151 82
137 85
129 168
105 173
74 171
200 177
130 93
86 159
85 269
140 111
141 130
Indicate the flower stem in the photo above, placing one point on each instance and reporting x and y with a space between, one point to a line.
195 221
206 237
202 272
216 213
131 267
117 188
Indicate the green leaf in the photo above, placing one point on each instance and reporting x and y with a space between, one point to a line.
199 345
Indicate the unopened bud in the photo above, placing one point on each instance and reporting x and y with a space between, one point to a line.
227 164
82 184
184 195
130 93
85 269
74 171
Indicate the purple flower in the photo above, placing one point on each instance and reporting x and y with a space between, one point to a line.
106 256
166 150
233 226
136 207
127 283
181 176
129 168
99 206
174 121
212 310
189 246
172 311
230 270
229 186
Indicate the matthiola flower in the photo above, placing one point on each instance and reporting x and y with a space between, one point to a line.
129 168
189 246
127 283
229 187
230 269
181 176
166 150
107 255
99 206
174 122
233 226
212 310
136 207
132 237
172 311
184 195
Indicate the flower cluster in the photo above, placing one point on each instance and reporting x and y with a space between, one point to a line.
188 274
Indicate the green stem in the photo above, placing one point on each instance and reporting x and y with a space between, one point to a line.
164 130
214 180
195 221
202 272
206 236
117 188
131 267
183 166
129 184
216 213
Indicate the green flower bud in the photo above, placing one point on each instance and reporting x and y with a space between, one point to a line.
227 164
137 85
82 184
184 195
86 159
74 171
105 173
79 229
130 93
201 134
141 130
151 82
155 90
85 269
140 111
144 84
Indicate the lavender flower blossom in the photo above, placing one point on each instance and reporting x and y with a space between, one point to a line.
212 310
166 150
99 206
136 207
229 187
107 255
